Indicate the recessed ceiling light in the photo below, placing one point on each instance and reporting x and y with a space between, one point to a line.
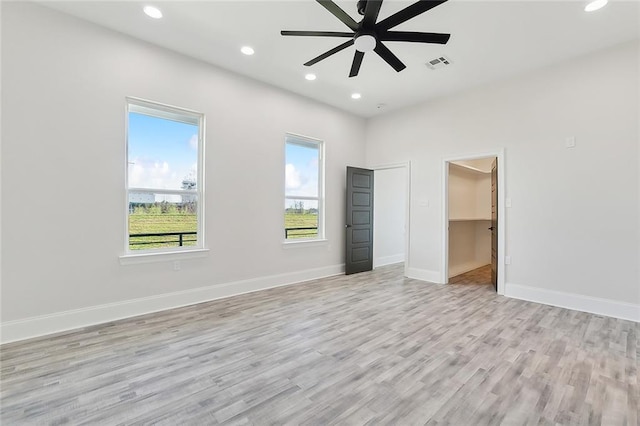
153 12
356 96
247 50
595 5
310 77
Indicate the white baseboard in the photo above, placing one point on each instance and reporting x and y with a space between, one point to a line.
455 270
577 302
12 331
388 260
424 275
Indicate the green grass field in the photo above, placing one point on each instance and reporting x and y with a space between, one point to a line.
150 223
297 220
155 223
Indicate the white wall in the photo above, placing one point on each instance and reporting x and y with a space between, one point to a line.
483 242
389 215
573 230
469 193
483 195
466 252
462 194
64 84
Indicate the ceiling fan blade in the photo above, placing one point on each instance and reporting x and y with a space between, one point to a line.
357 61
389 57
407 13
328 53
411 36
316 34
371 13
339 13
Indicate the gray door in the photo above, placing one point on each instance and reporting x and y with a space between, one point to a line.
359 227
494 224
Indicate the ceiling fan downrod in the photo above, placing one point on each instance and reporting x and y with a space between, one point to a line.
362 5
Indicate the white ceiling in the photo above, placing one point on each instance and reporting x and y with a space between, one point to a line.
490 40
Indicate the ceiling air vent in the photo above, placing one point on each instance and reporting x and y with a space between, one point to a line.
439 62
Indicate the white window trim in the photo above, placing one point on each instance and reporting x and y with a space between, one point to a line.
315 143
170 112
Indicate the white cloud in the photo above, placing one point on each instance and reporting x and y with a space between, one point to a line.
158 174
302 181
193 142
292 177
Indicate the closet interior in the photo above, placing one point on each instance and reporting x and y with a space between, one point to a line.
469 215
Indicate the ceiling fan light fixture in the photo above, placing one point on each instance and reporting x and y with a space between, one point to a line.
595 5
365 43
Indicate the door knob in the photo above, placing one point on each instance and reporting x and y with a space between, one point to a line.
491 229
347 226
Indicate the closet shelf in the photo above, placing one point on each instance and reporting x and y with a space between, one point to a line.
468 219
471 168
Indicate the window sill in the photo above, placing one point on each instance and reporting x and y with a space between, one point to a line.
166 256
304 243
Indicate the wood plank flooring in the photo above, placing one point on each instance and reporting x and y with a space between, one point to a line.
370 348
480 276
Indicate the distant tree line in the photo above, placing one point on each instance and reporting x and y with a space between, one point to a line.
298 208
163 207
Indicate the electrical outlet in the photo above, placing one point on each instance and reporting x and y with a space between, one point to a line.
507 202
176 265
570 142
507 260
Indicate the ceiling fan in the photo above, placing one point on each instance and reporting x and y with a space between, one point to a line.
367 35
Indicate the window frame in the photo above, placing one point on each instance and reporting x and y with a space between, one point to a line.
309 142
167 112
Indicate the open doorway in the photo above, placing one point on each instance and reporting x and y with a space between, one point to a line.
472 221
470 230
391 212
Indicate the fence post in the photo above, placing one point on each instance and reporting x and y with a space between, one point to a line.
180 237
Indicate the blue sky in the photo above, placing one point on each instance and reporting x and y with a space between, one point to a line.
161 152
301 172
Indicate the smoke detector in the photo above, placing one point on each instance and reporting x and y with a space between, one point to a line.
439 62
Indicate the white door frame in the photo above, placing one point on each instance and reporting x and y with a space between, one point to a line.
499 154
407 167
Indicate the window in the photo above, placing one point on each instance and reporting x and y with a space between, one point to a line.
304 192
164 178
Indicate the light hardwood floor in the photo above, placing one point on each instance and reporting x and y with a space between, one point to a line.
371 348
481 275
